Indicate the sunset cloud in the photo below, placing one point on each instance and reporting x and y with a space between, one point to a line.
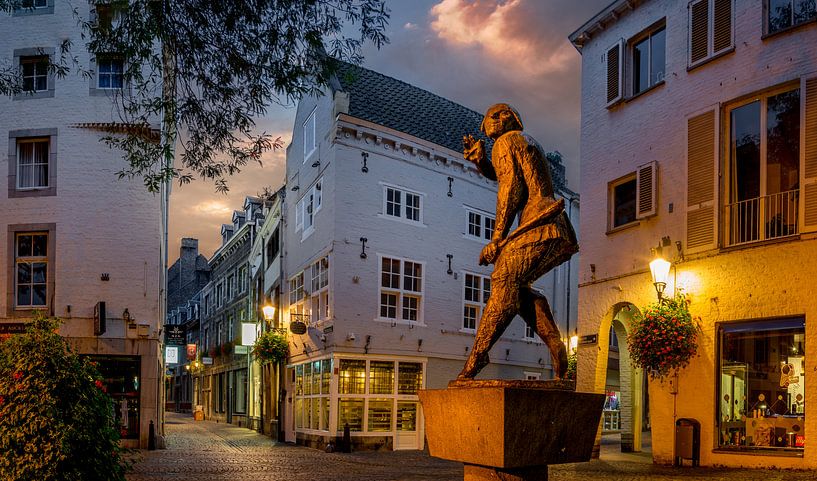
509 32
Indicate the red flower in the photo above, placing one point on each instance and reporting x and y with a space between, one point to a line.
2 400
99 384
17 375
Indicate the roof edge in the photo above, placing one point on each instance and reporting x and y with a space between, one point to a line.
610 14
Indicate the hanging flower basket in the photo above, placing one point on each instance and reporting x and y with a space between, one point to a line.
271 347
664 337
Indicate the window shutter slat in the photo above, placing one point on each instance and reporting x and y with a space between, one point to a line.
722 27
647 189
614 73
698 31
809 180
700 182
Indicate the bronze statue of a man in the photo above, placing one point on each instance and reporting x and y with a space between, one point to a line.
543 239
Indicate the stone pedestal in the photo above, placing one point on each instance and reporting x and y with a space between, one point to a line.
510 430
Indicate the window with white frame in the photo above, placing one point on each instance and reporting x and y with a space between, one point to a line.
230 286
219 294
783 14
320 290
242 279
633 197
402 204
110 72
35 73
401 289
377 396
647 59
710 29
31 270
479 225
296 296
312 394
307 207
32 163
477 290
309 135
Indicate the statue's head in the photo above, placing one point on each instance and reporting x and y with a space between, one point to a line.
500 118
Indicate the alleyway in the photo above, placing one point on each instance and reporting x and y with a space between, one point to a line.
207 451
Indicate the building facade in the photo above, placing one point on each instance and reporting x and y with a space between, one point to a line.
79 243
383 225
186 278
266 379
699 141
225 305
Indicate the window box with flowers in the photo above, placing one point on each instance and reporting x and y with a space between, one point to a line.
664 337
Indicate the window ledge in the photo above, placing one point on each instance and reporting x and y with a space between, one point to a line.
780 452
711 58
470 332
400 321
786 30
402 220
644 92
623 227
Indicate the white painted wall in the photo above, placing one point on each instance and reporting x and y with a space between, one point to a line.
751 283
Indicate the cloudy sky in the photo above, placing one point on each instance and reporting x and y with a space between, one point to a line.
476 53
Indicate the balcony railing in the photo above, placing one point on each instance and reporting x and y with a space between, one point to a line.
762 218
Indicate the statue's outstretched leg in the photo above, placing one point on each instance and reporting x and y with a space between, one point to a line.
498 313
535 310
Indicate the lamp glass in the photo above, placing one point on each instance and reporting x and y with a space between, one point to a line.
269 311
659 268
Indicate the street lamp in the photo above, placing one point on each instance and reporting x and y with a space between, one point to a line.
269 312
659 269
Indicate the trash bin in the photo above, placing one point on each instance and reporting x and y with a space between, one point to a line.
198 414
687 441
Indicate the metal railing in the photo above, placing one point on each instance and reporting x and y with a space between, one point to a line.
762 218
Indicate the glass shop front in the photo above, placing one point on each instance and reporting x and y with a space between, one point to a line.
762 385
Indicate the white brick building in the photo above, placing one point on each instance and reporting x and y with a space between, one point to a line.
383 225
73 235
699 136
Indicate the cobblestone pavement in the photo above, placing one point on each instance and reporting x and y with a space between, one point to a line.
215 451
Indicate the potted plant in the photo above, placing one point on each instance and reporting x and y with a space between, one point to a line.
271 347
663 337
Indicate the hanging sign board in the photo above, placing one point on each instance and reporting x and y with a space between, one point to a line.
242 349
171 355
191 352
207 360
174 335
248 334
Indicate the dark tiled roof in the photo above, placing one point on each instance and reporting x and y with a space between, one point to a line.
400 106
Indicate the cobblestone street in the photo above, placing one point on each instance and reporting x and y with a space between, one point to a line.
210 451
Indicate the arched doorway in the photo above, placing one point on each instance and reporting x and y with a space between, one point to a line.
626 416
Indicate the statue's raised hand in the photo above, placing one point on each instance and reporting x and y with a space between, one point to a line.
472 149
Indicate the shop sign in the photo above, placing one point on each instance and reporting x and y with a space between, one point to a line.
174 335
588 339
171 355
249 333
191 352
12 328
297 327
242 349
207 360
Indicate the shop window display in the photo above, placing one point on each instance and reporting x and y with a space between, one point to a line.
122 381
762 385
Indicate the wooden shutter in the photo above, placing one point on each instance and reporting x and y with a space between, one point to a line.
646 190
701 148
809 172
698 31
615 84
722 26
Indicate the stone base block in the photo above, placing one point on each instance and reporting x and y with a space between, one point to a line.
482 473
511 425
